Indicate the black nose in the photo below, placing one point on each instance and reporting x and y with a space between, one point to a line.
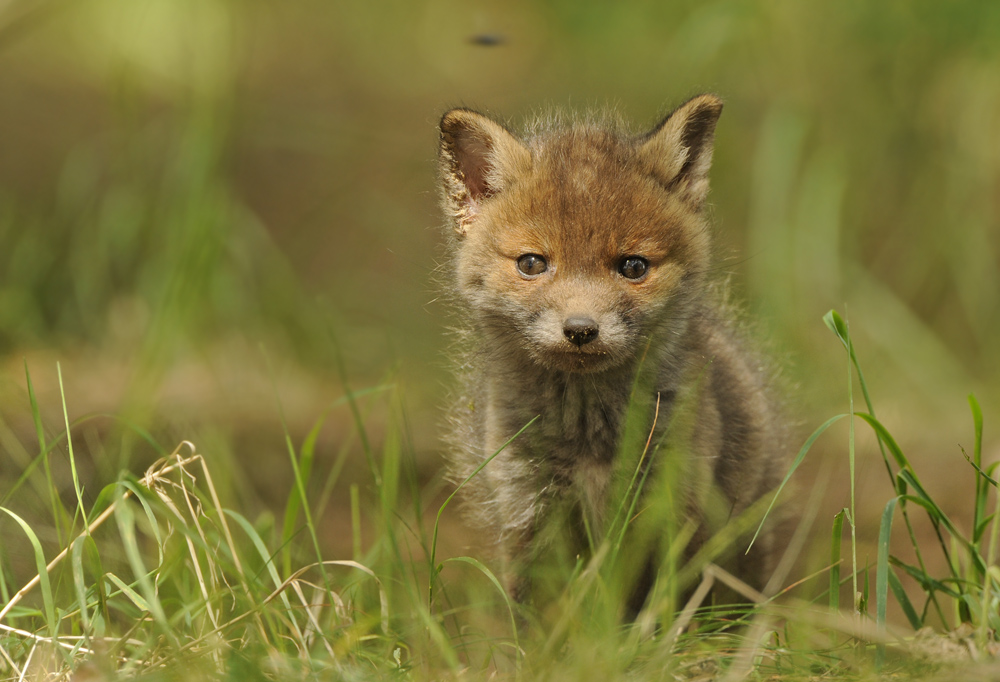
580 330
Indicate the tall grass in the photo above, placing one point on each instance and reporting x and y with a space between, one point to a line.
154 575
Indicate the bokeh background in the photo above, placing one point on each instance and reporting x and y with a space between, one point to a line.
219 214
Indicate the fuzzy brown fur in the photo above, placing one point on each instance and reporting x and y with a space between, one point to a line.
548 233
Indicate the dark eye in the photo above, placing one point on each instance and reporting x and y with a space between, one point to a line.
531 264
633 267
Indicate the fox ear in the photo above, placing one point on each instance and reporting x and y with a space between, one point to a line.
478 159
679 150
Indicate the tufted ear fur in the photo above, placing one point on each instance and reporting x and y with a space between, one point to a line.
679 150
478 158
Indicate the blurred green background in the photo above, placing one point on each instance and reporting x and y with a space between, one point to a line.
206 205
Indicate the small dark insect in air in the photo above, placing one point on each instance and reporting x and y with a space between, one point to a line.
488 39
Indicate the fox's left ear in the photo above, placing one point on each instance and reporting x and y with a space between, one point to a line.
679 150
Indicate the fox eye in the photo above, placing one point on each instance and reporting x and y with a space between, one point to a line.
633 267
531 264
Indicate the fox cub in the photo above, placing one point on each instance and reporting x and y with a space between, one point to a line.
581 254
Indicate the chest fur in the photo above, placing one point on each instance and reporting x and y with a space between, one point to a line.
580 417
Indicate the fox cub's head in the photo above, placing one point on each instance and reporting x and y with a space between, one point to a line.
579 244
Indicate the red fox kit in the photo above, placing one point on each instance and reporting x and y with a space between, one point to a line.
580 256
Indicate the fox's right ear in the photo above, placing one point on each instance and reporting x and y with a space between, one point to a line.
478 159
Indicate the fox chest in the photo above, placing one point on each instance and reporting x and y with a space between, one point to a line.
568 453
579 420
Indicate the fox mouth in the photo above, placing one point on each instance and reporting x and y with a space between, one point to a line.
582 360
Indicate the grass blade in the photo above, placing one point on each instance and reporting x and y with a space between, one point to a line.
882 573
503 593
42 578
126 529
835 559
977 461
795 465
886 438
437 520
57 508
79 581
306 458
298 474
268 558
926 582
69 445
838 325
132 595
904 601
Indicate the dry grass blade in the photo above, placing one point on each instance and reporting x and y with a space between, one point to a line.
152 477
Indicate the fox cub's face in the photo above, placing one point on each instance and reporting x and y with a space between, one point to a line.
580 245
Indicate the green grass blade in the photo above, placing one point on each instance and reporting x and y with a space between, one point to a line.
351 397
8 494
132 595
835 559
885 441
343 452
839 326
985 473
991 577
931 507
105 499
140 493
79 581
503 593
977 420
48 603
904 601
4 588
883 435
882 572
126 529
843 331
69 445
977 461
300 481
36 415
795 465
437 521
268 558
983 525
926 582
306 458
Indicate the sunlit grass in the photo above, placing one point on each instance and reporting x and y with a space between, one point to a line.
154 575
